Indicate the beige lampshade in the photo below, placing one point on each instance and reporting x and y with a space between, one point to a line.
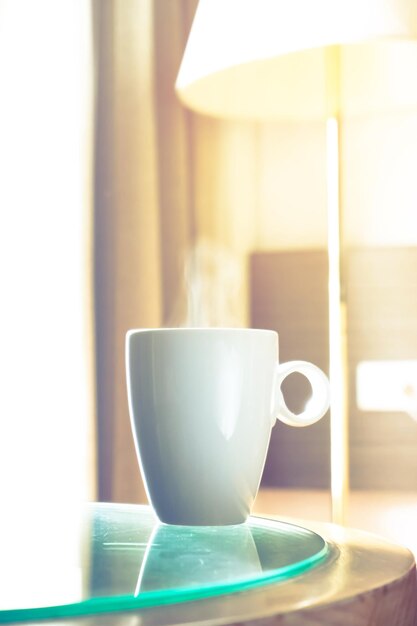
295 59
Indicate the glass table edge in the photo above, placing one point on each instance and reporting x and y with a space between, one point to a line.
121 603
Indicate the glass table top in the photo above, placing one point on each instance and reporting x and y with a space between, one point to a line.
119 557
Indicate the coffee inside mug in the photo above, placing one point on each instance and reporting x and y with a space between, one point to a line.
202 404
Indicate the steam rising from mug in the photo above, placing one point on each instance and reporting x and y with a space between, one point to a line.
202 404
214 288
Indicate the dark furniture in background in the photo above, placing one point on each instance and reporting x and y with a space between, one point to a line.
289 294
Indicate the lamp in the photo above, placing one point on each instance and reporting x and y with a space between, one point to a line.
295 60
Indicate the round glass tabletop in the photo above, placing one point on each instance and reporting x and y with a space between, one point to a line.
123 559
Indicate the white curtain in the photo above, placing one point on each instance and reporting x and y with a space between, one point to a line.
46 329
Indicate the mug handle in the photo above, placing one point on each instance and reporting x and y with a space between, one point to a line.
317 405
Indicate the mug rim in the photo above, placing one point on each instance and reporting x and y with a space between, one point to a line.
196 329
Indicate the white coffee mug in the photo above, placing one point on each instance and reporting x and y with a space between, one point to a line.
202 404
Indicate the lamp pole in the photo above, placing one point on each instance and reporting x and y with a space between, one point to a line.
338 365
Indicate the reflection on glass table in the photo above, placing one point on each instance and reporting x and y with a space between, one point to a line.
119 557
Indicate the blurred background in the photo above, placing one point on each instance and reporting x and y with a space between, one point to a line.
121 209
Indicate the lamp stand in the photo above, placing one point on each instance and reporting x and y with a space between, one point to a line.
338 365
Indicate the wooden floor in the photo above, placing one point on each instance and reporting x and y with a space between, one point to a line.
392 515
